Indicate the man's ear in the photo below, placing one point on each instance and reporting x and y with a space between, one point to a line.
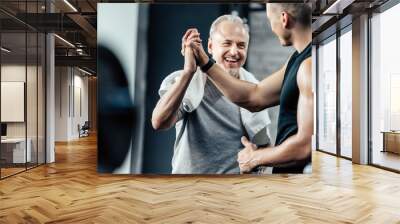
209 46
285 20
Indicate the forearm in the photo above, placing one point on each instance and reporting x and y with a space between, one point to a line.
238 91
165 112
294 148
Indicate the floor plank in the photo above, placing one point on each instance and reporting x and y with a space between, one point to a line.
70 191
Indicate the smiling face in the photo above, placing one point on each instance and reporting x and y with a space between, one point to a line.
228 46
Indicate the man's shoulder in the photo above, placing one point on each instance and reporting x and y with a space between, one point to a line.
304 74
171 78
305 68
168 81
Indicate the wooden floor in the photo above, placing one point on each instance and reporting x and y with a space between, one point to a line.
388 159
70 191
5 172
10 171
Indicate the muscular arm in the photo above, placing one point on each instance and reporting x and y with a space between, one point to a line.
254 97
298 146
165 114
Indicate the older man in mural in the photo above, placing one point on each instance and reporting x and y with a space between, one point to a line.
209 126
290 87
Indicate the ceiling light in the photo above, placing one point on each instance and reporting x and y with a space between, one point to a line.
70 5
84 71
79 51
65 41
5 50
337 7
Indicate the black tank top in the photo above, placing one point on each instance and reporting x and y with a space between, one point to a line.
289 98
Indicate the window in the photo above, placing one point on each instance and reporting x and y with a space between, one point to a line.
22 107
327 95
346 93
385 89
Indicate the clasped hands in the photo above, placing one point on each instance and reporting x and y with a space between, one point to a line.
193 51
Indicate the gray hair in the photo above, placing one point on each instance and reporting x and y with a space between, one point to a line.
231 18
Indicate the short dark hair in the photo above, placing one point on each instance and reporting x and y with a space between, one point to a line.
300 12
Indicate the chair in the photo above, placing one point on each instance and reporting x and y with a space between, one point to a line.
84 130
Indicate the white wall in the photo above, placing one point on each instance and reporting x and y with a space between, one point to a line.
80 84
61 103
13 72
70 83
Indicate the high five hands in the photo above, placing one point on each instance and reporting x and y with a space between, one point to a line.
189 38
192 49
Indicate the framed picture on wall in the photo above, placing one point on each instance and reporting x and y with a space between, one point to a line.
12 101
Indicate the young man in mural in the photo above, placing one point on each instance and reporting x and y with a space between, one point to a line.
290 87
209 126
